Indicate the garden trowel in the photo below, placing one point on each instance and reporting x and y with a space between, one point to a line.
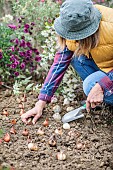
74 114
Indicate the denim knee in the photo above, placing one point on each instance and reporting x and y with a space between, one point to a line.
88 85
91 80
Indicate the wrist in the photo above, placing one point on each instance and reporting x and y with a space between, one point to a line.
41 103
99 87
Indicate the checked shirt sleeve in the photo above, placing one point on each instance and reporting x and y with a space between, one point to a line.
55 75
107 83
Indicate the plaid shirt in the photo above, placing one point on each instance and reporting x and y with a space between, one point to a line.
98 1
57 71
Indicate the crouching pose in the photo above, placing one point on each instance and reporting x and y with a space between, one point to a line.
85 37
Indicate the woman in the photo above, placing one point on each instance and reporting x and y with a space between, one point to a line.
86 41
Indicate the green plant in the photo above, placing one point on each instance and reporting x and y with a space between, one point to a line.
39 12
17 55
24 85
109 3
5 36
1 133
5 168
49 47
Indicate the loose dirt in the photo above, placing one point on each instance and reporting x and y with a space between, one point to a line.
94 133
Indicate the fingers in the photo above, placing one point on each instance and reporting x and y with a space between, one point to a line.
33 112
93 105
88 106
36 117
28 114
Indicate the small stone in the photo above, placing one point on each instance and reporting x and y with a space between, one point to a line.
79 145
94 138
57 109
58 131
57 116
69 109
54 100
75 86
21 164
8 93
105 125
98 156
61 156
69 149
102 164
66 101
4 164
108 168
5 118
32 146
66 126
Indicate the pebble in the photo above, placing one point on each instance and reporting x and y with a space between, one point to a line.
22 164
57 109
66 101
57 116
108 168
102 164
5 117
98 156
69 109
4 164
54 100
94 138
66 126
8 93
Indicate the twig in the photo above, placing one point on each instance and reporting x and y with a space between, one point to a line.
7 86
9 107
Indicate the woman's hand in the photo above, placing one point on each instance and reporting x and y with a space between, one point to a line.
36 112
95 97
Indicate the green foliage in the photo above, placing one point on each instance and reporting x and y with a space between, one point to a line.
109 3
5 36
1 133
5 168
17 53
5 7
37 12
24 85
49 47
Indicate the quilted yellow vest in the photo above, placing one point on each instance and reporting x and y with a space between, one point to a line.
103 53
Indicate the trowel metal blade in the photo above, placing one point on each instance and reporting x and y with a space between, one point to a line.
73 115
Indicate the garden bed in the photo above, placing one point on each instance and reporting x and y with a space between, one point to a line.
94 133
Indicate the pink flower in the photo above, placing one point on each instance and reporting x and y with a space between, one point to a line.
14 27
22 66
12 48
37 58
16 74
26 26
13 66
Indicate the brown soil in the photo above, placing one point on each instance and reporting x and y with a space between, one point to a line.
95 132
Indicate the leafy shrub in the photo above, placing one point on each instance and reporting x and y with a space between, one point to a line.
17 56
109 3
48 48
39 12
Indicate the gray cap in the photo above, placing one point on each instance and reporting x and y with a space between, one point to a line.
78 19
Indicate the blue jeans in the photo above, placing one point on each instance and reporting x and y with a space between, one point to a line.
90 74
